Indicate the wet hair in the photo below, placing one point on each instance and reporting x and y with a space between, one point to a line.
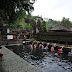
45 45
39 44
0 47
59 47
34 44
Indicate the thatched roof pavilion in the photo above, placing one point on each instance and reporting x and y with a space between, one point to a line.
60 28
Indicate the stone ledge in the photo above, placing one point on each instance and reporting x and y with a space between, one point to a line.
14 63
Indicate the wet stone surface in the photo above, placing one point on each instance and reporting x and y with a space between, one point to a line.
49 63
11 62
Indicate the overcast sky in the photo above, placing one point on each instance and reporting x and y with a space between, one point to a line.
54 9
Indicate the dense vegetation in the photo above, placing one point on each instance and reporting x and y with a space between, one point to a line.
10 9
17 14
65 22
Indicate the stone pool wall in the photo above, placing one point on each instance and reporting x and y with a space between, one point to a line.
11 62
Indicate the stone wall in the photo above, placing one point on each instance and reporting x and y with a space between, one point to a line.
11 62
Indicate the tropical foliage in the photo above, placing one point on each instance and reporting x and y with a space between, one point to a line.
17 13
9 9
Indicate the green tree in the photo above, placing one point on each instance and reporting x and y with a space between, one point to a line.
10 8
44 26
24 21
51 23
66 22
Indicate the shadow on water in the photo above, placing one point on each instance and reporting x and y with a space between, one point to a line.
49 63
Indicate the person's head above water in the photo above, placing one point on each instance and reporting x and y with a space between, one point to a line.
40 45
35 44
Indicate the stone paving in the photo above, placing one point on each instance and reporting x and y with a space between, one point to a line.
11 62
